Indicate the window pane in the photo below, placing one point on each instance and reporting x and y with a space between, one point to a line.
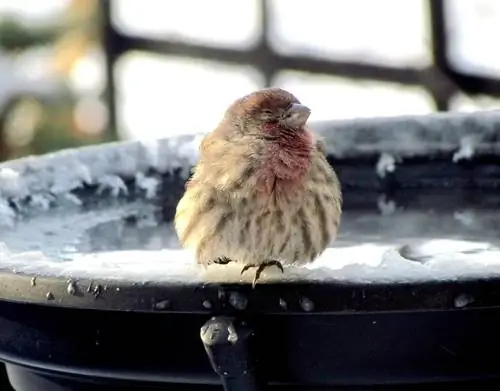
391 32
473 31
464 103
158 96
338 98
226 23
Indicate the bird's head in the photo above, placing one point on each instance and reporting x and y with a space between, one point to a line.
269 111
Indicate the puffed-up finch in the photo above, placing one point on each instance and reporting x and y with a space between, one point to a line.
262 192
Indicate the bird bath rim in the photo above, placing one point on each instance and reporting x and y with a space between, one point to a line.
40 182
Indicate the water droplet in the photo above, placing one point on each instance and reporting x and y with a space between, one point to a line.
283 304
306 304
207 304
162 305
238 300
463 300
49 296
33 281
71 288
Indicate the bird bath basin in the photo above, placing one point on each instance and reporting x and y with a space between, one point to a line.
96 290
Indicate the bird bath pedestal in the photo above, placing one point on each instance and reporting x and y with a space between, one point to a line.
96 293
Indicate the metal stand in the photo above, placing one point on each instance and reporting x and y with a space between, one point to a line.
227 342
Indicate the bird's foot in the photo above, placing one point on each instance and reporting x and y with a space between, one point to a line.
223 261
261 267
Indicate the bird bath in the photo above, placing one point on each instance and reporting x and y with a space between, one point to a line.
95 284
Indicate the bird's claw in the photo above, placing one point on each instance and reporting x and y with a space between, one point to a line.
260 268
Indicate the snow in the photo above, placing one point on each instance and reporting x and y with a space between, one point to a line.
385 164
45 229
365 263
43 180
386 207
107 166
148 184
372 248
411 136
466 151
113 183
7 214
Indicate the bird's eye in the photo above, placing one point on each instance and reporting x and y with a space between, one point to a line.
267 112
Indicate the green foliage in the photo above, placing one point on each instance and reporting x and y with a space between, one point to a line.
14 35
57 129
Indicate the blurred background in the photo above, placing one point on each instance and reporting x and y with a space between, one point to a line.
79 72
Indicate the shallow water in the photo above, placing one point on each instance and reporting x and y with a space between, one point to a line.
135 226
128 241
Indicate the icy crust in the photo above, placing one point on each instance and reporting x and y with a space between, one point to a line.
44 184
41 182
451 260
124 241
459 135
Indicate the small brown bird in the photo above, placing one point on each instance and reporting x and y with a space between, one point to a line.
262 192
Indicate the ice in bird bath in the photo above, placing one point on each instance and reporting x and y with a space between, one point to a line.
128 241
124 238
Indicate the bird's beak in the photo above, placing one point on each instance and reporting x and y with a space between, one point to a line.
297 115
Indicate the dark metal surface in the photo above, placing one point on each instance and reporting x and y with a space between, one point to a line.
229 345
273 298
302 350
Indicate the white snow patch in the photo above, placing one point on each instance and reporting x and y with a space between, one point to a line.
439 248
148 184
50 178
466 217
410 136
41 201
9 182
385 164
113 183
466 150
7 214
109 164
367 263
386 207
101 243
73 198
